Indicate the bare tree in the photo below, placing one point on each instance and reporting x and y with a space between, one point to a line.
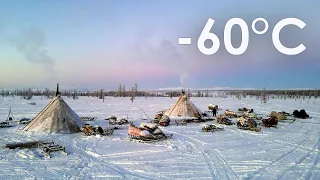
264 96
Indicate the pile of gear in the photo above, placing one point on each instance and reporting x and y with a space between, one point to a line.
115 121
211 128
89 130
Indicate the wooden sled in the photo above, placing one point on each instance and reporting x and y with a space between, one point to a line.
47 148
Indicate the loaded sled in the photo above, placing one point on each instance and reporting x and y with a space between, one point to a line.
231 114
243 109
222 119
147 133
162 120
159 115
211 128
282 117
248 124
115 121
92 131
302 114
270 122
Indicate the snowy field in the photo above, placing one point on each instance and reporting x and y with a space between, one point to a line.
290 151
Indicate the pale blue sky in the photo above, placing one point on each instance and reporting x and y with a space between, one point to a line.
101 43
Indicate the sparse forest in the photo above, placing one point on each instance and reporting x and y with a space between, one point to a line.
263 95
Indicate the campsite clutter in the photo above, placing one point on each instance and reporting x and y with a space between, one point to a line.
161 119
58 117
183 112
222 119
116 121
89 130
211 128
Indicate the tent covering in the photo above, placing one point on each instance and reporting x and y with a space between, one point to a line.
183 108
56 117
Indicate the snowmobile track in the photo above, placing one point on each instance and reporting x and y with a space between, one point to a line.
278 167
218 167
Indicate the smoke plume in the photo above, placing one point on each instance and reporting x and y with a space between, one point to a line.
163 53
32 46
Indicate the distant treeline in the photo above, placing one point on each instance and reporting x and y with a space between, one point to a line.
277 93
134 92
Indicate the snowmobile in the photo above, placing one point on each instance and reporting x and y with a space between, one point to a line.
147 133
221 119
247 124
211 128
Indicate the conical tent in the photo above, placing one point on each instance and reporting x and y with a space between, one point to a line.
183 108
56 117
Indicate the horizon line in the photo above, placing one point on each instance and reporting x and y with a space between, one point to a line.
83 89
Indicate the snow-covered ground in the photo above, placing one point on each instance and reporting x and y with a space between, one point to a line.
290 151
